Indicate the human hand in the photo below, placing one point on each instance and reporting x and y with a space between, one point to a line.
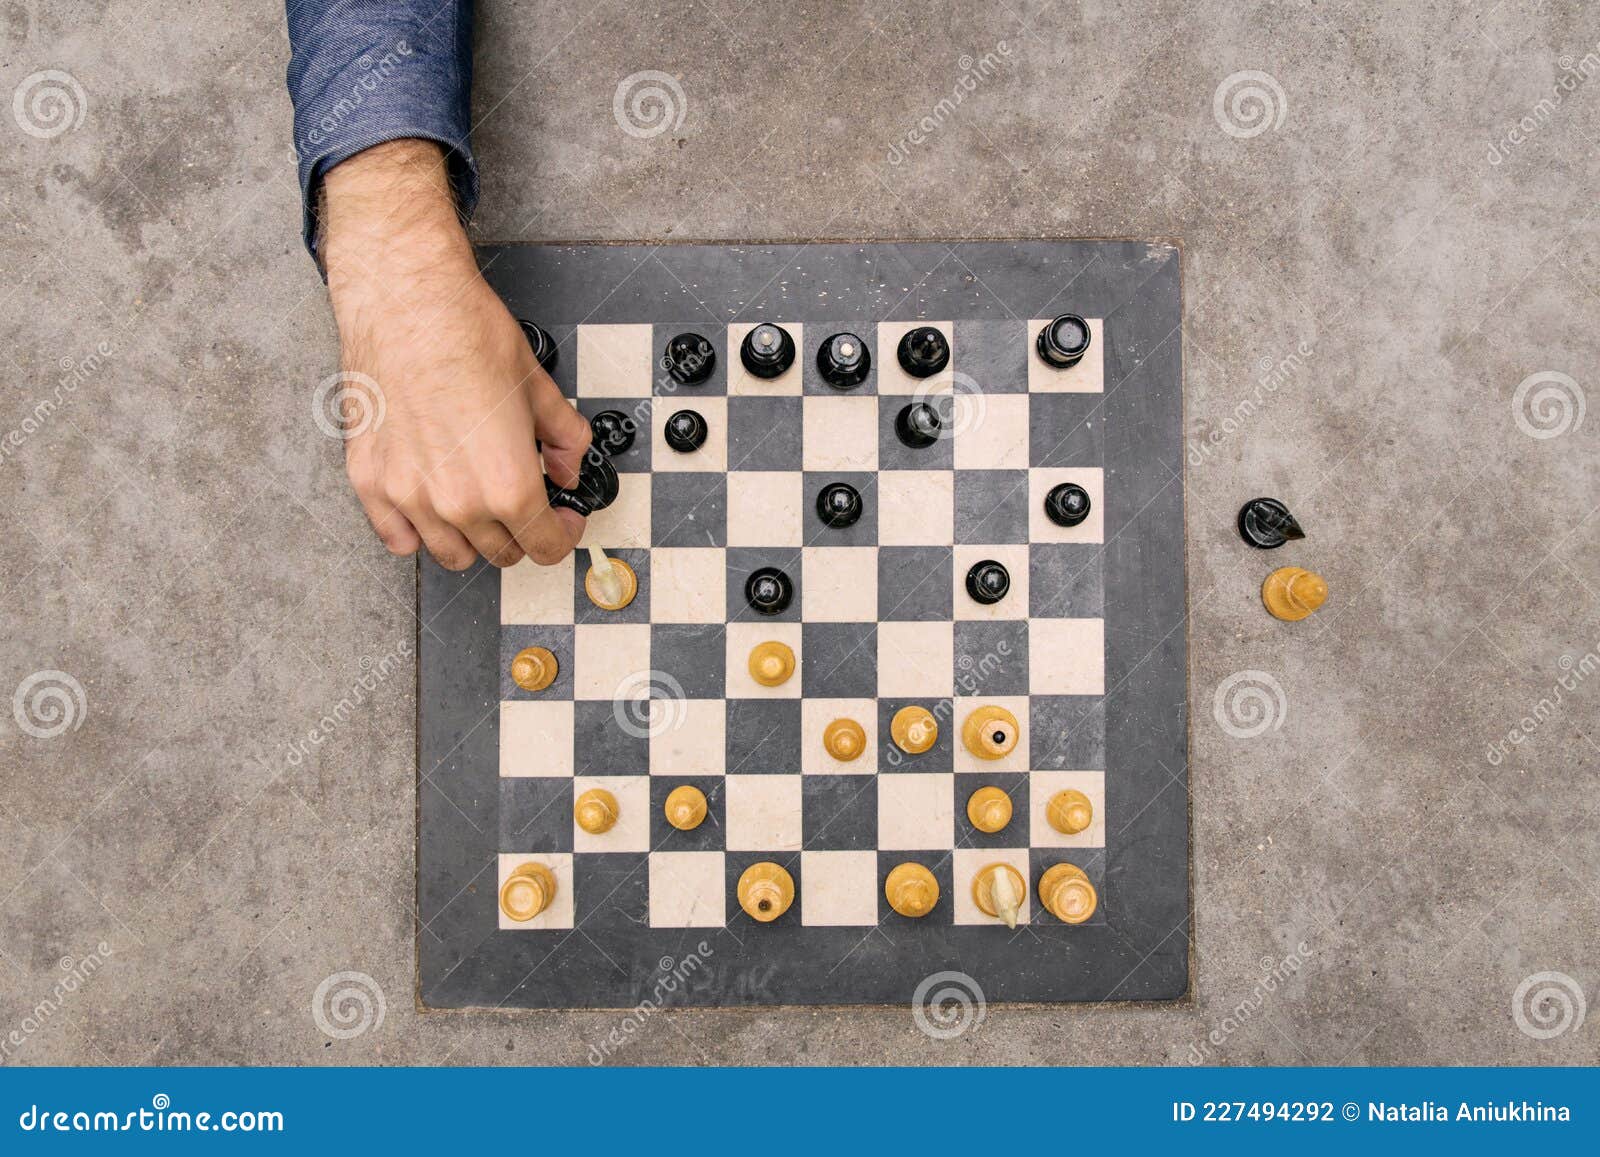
453 464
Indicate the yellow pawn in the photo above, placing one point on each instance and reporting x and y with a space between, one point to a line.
911 890
765 891
999 890
527 891
534 668
989 809
627 586
686 807
844 739
990 732
1066 893
595 810
771 663
1291 593
1069 812
914 729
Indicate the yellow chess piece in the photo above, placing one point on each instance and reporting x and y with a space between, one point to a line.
596 810
534 668
911 890
844 739
1069 812
1066 893
686 807
1291 593
527 891
765 891
989 809
990 732
913 729
627 586
771 663
999 890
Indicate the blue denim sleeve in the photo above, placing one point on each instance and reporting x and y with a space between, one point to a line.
362 72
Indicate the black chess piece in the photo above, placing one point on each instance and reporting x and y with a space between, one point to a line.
839 505
597 486
918 425
1064 341
689 359
1267 523
1067 504
613 432
988 581
686 431
843 361
923 352
544 349
768 591
767 351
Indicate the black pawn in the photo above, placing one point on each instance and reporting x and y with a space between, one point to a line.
923 352
544 349
597 486
843 361
768 591
613 432
839 505
988 581
918 425
1067 504
689 359
1064 341
1267 523
767 351
686 431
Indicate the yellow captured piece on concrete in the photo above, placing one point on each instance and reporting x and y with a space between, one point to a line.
1066 893
911 890
534 668
999 890
686 807
989 809
1291 593
765 891
844 739
771 663
913 729
595 810
1069 812
990 732
527 891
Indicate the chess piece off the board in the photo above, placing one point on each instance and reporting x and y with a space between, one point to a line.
767 351
1067 894
1265 523
989 809
534 668
685 807
990 732
911 890
1064 341
771 663
844 739
914 729
1291 593
765 891
1069 812
527 891
596 811
999 890
843 361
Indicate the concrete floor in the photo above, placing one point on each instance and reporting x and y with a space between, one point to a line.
177 535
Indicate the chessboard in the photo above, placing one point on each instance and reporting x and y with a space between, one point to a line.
701 798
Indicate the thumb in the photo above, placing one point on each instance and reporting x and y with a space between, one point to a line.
562 431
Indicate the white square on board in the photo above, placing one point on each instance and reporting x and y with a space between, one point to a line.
916 507
687 890
995 436
626 522
765 508
688 584
608 658
614 361
841 584
839 433
839 888
530 593
536 738
916 812
1067 656
763 813
916 660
